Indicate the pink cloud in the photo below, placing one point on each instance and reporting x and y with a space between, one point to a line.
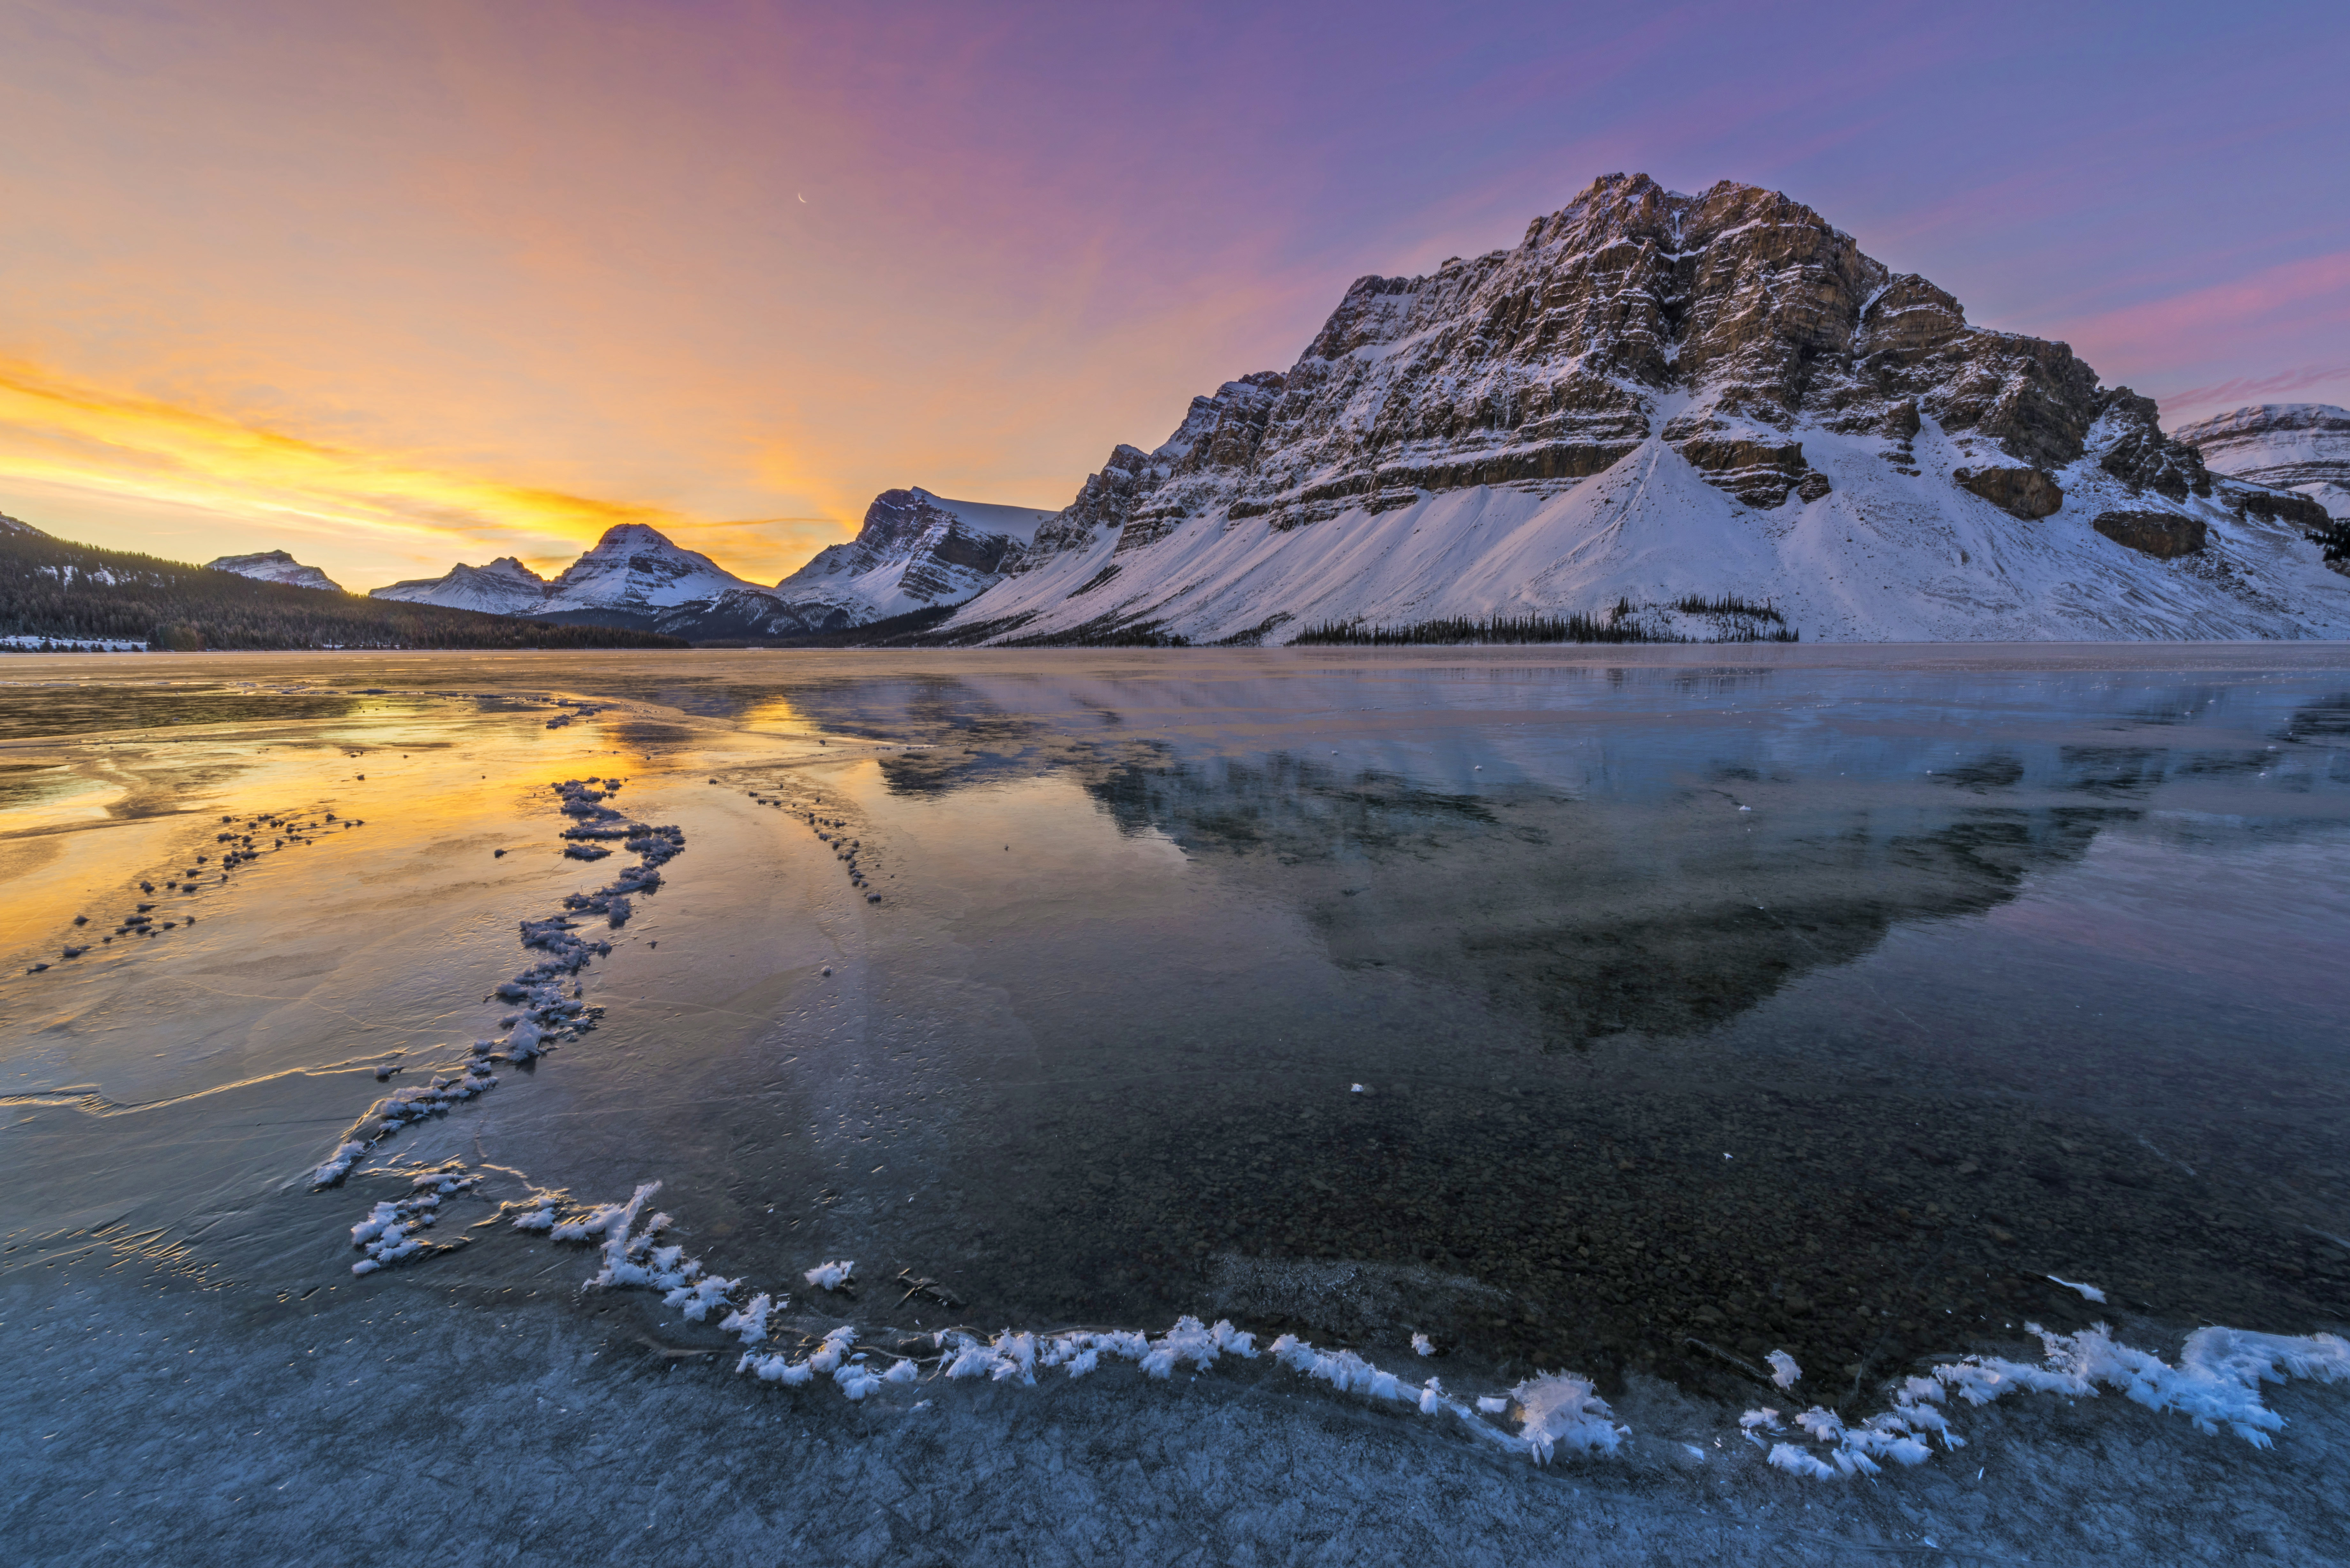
2239 390
2205 322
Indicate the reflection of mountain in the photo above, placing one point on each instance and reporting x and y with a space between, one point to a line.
1487 858
1622 880
1660 915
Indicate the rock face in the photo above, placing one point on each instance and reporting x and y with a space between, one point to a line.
275 567
2165 535
2024 493
916 551
1651 396
504 586
2299 447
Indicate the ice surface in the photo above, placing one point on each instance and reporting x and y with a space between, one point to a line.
1116 1378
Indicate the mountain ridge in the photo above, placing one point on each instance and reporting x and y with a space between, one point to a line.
915 551
57 591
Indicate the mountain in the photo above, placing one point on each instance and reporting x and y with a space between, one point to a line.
11 527
915 551
2300 447
1685 415
53 589
504 586
635 570
633 576
274 566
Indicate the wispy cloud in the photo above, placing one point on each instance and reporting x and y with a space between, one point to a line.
2300 296
58 431
2234 393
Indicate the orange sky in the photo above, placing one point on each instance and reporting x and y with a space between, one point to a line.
395 285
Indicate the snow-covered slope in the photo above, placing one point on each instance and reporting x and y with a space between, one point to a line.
17 528
916 550
2300 447
275 567
504 586
1654 397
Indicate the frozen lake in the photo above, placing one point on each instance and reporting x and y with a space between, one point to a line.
1638 1013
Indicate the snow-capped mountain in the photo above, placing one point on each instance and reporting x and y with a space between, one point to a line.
915 551
2301 447
14 527
275 567
504 586
1657 398
634 567
633 576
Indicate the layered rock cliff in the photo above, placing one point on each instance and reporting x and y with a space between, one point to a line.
1654 397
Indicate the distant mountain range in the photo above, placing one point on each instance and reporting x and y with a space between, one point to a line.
916 551
58 593
1658 415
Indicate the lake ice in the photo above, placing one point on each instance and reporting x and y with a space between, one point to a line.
1638 1017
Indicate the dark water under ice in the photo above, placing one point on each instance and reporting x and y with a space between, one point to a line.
1638 1016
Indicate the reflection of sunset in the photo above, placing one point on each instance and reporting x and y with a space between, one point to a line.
775 715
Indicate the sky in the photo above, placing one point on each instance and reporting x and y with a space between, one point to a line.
393 284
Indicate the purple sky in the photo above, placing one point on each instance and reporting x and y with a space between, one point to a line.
395 285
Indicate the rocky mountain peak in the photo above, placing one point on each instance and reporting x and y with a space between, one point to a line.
635 565
628 538
1720 321
506 567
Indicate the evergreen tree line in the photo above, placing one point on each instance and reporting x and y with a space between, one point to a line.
68 592
1577 627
